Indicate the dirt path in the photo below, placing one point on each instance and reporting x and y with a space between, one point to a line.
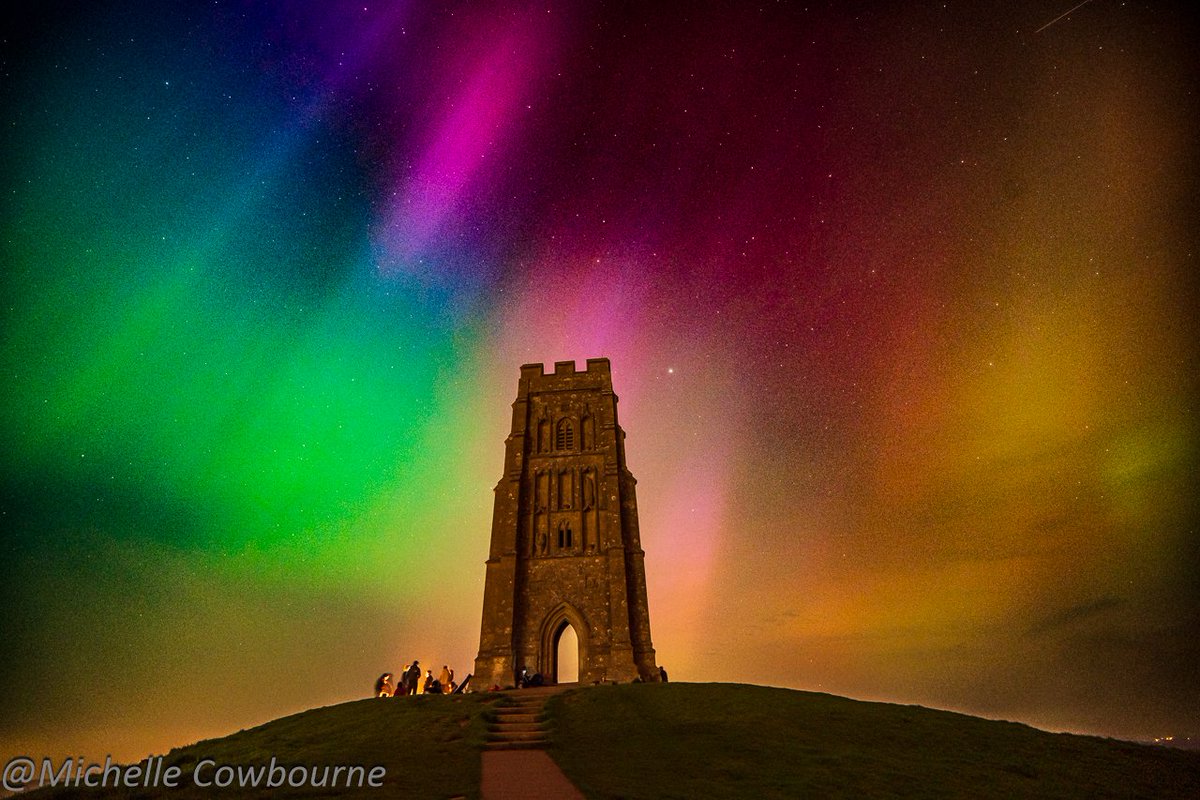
524 775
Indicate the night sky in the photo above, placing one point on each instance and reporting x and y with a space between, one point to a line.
899 302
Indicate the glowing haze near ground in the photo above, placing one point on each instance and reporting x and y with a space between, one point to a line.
899 305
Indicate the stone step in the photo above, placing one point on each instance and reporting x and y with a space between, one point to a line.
530 745
518 723
515 736
516 727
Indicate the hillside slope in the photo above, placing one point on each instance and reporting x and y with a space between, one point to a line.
428 745
727 741
693 741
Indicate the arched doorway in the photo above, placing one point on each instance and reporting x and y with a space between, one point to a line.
563 652
566 655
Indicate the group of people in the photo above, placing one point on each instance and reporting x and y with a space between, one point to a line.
527 681
409 682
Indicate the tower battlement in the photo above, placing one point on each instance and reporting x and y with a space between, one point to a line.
594 366
596 376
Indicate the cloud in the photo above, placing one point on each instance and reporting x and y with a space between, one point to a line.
1075 614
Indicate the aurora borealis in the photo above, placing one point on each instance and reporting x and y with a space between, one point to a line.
899 303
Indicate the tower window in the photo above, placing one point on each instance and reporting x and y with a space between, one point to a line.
565 539
564 438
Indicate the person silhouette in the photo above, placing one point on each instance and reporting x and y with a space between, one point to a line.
411 677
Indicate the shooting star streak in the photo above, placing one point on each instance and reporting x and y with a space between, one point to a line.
1060 16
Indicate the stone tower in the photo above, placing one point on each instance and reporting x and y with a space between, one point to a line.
565 544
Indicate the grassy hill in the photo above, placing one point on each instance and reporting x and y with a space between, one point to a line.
724 741
429 746
701 741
